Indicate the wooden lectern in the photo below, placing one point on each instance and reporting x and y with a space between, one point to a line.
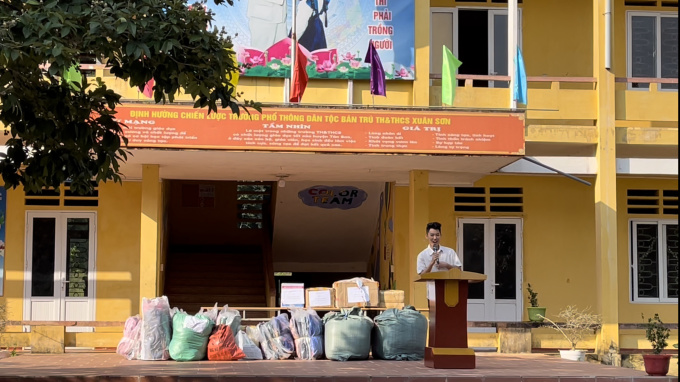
447 343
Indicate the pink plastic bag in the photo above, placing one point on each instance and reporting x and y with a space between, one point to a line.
131 344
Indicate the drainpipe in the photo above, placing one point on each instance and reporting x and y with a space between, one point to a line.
608 34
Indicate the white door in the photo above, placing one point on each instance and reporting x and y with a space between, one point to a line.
60 265
493 247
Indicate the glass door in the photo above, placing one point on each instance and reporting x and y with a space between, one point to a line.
498 44
60 258
493 247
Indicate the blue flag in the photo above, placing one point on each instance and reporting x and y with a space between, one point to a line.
378 86
520 90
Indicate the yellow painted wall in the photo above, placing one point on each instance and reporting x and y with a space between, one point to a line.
118 242
630 312
559 226
117 261
15 237
558 45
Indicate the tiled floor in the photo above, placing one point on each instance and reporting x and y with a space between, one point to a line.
490 368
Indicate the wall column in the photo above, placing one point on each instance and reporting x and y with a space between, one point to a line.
419 213
605 190
149 252
421 84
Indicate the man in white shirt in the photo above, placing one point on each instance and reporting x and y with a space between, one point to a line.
436 258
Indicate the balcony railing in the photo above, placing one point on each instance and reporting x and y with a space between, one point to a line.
651 103
563 98
568 98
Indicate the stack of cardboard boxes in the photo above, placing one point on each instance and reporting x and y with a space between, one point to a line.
358 291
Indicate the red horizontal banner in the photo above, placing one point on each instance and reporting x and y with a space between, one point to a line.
279 129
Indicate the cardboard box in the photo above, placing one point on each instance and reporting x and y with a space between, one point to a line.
348 294
319 296
391 299
391 305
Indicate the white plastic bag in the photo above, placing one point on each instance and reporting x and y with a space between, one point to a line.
156 329
249 348
231 317
254 335
209 313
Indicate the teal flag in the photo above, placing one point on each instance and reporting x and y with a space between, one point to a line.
521 87
450 66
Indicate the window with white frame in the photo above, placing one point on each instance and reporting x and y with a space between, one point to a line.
654 261
653 46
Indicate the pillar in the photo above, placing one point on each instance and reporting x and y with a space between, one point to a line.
421 84
605 189
149 252
419 213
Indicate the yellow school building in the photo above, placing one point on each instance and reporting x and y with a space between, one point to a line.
222 208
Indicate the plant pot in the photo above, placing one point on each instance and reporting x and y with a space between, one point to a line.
534 312
657 364
573 355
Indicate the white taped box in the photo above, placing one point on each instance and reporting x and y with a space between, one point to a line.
358 291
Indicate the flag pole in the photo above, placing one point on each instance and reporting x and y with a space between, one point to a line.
293 48
512 50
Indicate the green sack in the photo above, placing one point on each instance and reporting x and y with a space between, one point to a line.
347 335
400 335
190 336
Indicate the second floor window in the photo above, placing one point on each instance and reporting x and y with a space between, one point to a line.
653 46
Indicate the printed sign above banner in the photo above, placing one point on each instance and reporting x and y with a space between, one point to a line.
373 131
342 197
333 34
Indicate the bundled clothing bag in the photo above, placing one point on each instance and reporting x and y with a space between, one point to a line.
190 336
276 340
249 348
156 329
130 345
222 345
400 334
347 335
307 330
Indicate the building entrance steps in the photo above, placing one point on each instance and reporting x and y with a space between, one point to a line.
98 366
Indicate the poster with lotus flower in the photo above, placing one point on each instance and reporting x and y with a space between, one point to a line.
333 35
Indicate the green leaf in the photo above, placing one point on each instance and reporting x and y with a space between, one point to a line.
121 28
65 31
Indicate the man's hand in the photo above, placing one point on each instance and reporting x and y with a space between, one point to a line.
435 257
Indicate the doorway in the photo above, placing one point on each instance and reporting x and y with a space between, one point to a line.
478 37
60 266
493 247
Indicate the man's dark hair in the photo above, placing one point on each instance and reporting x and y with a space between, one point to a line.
433 225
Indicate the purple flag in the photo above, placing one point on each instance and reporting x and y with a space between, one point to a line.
377 71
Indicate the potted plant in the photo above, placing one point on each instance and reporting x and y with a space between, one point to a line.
536 313
656 364
577 323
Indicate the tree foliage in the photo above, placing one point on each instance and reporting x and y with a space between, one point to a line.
67 132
